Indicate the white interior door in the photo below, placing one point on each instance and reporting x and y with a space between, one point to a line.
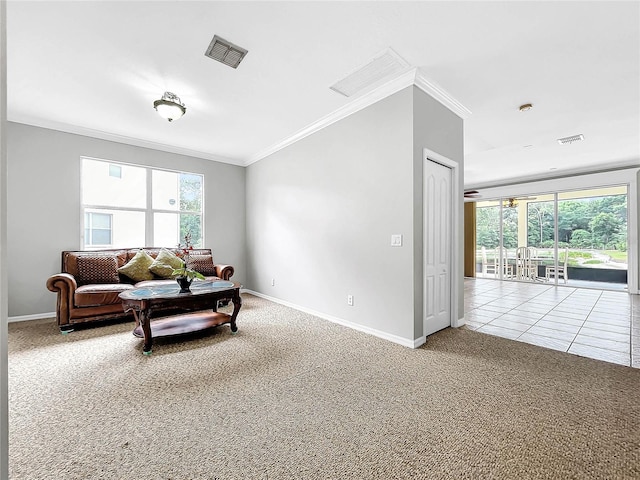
437 246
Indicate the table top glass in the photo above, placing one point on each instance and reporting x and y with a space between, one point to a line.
173 290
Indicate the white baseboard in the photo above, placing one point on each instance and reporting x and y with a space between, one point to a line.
35 316
405 342
459 323
419 341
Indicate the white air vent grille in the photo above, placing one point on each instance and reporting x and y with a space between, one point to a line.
225 52
386 66
571 139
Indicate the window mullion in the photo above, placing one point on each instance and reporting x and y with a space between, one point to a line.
148 234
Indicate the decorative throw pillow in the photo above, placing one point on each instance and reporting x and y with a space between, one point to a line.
165 263
97 269
137 269
203 264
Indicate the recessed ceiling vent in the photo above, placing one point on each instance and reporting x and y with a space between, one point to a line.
385 66
569 140
225 52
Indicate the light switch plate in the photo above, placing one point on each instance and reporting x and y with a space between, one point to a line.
396 240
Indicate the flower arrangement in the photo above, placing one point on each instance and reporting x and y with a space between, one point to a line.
183 253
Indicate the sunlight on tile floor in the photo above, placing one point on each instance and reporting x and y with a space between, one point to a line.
599 324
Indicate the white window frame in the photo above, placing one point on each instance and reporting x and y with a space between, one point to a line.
613 178
149 211
91 229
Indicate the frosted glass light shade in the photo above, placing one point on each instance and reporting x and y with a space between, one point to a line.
170 106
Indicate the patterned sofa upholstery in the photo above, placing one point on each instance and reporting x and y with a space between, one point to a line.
89 282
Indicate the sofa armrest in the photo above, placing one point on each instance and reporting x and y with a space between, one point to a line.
224 271
65 285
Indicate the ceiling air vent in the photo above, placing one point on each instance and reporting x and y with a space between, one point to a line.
225 52
385 66
571 139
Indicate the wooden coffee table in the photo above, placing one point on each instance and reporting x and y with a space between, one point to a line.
144 302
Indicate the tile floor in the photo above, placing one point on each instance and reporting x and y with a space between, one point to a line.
599 324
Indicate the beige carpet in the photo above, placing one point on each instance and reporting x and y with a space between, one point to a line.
295 397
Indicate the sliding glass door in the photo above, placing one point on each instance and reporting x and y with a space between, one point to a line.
576 238
541 237
592 228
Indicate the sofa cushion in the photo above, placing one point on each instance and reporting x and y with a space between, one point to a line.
98 268
137 269
165 263
203 264
95 295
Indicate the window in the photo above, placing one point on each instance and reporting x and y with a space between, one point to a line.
97 229
582 231
115 171
133 206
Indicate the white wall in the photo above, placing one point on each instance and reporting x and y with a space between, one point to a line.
321 212
4 375
44 206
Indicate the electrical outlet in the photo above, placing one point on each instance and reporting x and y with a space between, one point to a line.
350 300
273 282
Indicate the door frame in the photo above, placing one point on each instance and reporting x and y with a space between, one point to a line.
454 259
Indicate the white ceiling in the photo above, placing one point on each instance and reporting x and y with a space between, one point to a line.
96 68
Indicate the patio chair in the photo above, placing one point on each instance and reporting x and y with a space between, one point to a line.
488 268
560 271
526 267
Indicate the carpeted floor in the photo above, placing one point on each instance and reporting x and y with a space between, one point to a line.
296 397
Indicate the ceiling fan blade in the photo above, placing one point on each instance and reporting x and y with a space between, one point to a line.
472 194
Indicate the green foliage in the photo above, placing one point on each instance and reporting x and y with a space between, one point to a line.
592 222
540 224
576 255
604 227
592 262
617 255
581 239
488 227
191 201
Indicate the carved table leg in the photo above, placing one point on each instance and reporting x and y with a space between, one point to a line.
237 303
145 322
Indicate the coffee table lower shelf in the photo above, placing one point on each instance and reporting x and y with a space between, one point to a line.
185 323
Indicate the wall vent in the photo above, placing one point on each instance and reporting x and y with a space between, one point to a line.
225 52
385 66
571 139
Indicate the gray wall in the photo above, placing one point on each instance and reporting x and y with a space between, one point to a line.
637 233
44 206
439 129
321 212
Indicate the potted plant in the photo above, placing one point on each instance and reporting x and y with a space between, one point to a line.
184 275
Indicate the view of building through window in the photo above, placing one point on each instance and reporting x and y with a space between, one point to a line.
128 206
591 243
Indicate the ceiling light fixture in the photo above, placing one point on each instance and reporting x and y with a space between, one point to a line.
526 107
170 106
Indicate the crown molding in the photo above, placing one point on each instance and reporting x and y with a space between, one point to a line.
431 88
136 142
413 76
389 88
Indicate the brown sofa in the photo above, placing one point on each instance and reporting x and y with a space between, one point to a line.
87 288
